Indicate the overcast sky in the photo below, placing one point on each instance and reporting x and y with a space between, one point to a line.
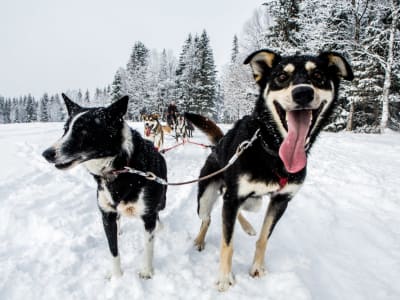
55 45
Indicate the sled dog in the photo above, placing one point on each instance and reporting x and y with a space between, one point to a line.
100 140
153 130
297 95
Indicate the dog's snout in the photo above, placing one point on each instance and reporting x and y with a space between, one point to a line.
303 95
49 154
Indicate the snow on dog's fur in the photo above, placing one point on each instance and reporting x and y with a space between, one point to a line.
102 141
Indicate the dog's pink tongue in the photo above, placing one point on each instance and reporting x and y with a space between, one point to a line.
292 151
147 131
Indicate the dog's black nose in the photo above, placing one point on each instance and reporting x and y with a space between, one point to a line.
49 154
303 95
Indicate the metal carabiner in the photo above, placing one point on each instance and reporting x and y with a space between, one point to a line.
150 176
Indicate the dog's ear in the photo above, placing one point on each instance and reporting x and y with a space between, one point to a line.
72 107
156 116
339 64
261 63
119 108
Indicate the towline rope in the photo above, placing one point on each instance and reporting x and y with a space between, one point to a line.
151 176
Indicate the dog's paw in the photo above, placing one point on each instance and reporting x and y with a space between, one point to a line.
225 281
146 273
250 231
113 275
199 245
257 271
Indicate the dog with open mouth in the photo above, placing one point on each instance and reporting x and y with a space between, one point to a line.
153 130
297 95
100 140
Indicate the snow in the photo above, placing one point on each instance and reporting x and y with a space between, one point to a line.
339 239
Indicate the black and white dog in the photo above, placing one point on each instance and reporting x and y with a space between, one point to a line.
102 141
297 95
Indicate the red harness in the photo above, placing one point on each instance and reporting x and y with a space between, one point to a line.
283 181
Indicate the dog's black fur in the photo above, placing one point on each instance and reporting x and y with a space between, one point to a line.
292 88
103 142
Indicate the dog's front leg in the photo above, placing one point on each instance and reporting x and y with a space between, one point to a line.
149 225
229 214
111 230
276 208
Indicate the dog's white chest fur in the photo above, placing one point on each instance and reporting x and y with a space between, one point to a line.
260 188
127 208
98 166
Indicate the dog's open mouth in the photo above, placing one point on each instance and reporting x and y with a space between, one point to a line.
67 165
147 130
299 125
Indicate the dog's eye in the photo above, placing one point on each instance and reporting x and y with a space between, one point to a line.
283 77
316 75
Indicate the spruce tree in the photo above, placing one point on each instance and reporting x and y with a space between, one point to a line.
283 33
118 88
136 70
30 109
207 83
86 99
43 108
7 111
79 97
2 106
184 75
166 80
235 49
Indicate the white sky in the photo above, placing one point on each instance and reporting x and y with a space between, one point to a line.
55 45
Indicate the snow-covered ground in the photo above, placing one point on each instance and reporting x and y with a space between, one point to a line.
339 239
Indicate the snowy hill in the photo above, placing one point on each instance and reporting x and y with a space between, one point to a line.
339 239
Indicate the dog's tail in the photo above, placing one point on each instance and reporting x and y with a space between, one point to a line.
213 132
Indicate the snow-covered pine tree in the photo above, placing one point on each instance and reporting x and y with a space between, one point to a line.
184 75
86 99
21 108
283 33
43 115
2 108
206 82
238 88
150 99
136 79
52 109
7 110
14 113
373 54
79 97
166 81
61 112
392 36
31 113
118 87
196 76
56 109
102 98
235 49
334 31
